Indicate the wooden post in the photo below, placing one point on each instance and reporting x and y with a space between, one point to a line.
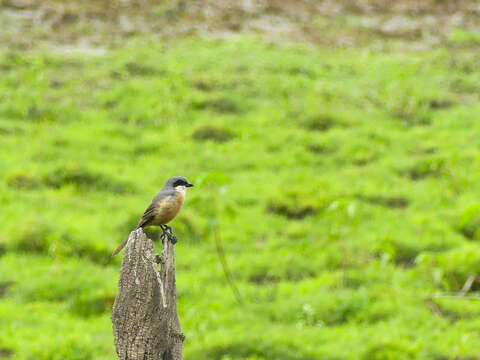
144 316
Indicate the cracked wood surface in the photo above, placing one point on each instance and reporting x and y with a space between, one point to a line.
144 316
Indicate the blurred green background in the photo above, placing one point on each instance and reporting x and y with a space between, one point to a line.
335 150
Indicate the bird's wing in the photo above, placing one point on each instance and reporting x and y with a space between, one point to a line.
147 216
154 208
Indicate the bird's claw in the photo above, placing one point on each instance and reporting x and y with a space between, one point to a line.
173 239
167 232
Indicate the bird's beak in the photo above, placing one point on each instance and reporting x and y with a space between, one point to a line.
189 185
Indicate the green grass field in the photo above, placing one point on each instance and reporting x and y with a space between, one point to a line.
343 183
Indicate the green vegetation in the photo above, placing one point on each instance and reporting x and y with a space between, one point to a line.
344 184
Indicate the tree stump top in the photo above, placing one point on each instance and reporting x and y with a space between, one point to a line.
144 316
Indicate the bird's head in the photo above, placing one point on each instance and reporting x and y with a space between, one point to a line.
178 183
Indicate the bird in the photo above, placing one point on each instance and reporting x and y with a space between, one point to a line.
164 207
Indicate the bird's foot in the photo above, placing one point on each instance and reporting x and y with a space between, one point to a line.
167 232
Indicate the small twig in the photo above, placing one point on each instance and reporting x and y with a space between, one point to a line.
434 307
468 284
226 269
455 295
460 294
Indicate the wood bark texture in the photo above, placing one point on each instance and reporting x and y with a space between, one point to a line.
144 316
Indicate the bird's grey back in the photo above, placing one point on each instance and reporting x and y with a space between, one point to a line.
163 194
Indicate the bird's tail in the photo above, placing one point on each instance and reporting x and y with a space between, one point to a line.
122 245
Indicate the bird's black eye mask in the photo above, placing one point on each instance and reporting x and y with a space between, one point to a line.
181 182
178 183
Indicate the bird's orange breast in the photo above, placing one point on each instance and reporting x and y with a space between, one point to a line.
168 207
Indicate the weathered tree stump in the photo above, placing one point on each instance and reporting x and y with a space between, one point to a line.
144 316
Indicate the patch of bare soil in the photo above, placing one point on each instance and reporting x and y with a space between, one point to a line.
92 23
